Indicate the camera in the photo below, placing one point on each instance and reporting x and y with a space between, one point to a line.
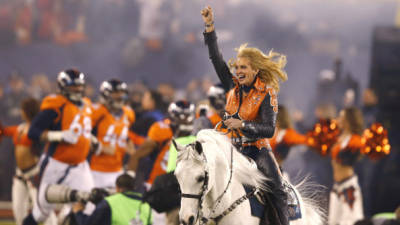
56 193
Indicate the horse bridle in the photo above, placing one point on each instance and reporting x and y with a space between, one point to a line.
200 196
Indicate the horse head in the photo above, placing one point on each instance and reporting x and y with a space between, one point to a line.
193 176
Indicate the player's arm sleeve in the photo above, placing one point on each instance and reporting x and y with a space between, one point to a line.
146 148
155 137
136 138
100 216
40 123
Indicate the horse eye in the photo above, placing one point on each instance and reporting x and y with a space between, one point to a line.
200 179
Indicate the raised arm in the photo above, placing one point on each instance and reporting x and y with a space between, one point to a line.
210 39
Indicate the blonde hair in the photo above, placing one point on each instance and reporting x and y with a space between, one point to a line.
270 66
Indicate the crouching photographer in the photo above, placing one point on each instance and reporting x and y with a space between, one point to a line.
125 207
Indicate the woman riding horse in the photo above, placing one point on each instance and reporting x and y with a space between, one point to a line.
251 109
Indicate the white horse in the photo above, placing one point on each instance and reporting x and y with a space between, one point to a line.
211 175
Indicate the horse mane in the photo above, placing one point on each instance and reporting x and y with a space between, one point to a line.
244 170
188 153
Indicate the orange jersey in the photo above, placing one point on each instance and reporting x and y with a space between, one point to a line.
136 138
18 135
112 131
74 118
161 133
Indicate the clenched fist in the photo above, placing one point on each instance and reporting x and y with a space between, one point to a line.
208 18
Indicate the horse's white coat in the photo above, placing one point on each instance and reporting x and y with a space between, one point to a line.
217 150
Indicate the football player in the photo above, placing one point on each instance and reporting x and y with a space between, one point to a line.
208 117
178 124
217 98
64 123
111 119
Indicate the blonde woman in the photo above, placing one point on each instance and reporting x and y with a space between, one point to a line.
251 108
345 202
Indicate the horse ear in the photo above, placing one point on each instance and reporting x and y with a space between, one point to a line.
198 147
177 146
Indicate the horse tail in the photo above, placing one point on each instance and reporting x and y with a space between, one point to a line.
310 197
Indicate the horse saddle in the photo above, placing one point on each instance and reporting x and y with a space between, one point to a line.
257 205
258 202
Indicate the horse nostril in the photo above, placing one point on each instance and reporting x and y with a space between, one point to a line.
191 220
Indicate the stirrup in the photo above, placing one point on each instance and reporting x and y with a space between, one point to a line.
260 196
292 201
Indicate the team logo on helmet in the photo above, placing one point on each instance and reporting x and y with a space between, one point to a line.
67 79
114 86
181 114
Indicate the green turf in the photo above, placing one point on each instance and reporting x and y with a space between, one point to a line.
7 223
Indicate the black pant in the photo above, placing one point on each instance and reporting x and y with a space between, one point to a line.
267 164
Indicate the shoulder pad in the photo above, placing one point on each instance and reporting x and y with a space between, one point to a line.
159 131
98 111
87 101
99 108
53 102
163 124
129 113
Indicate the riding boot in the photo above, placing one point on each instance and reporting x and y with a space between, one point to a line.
277 195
